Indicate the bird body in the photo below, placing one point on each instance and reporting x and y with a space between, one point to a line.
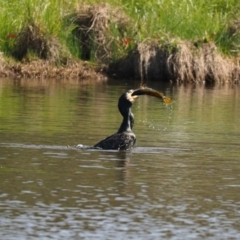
124 138
118 141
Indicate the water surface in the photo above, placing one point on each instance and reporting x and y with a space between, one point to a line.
181 181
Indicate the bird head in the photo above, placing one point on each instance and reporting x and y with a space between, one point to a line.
125 101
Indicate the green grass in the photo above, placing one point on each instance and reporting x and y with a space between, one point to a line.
186 19
154 19
48 15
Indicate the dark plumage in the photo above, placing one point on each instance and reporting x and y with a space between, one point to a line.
124 138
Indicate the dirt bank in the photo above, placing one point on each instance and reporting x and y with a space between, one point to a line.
43 69
148 61
178 62
102 33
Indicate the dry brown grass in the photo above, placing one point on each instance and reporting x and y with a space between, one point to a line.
2 61
180 62
192 64
2 65
32 41
43 69
93 30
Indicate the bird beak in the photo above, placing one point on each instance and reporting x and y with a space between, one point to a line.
130 97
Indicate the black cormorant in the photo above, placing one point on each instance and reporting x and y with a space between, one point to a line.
124 138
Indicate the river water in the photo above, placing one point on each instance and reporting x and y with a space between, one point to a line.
181 181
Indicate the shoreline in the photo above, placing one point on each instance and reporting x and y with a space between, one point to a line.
43 69
136 65
102 43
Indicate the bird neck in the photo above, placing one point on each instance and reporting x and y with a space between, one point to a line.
128 121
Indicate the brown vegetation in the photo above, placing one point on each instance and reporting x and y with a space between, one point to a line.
42 69
181 62
93 30
32 41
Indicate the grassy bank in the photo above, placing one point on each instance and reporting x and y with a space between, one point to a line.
152 36
198 20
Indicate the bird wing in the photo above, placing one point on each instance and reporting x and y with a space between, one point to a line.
117 141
